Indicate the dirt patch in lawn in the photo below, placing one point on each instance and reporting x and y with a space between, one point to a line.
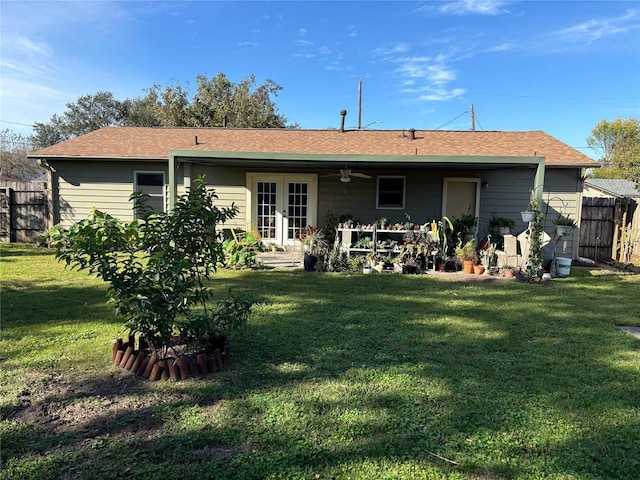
114 404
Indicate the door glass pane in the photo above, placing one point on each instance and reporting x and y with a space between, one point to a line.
266 215
297 209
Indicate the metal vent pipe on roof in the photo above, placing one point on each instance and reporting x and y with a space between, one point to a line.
195 140
412 133
343 114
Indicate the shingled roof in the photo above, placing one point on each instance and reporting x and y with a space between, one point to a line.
157 142
617 187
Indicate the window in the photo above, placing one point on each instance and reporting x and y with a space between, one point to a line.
391 192
151 184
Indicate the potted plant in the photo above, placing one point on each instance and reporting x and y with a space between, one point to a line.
313 243
466 254
564 225
509 272
370 260
529 215
440 238
501 224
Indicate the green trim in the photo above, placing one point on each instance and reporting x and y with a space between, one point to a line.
349 158
538 182
173 187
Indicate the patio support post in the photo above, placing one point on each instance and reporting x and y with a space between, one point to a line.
173 188
539 181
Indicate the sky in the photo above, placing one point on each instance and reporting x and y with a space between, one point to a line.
556 66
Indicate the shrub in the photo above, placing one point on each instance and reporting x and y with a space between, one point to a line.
156 266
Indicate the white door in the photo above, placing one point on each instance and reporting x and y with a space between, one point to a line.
282 205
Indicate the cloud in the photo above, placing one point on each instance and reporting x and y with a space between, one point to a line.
503 47
585 33
474 7
16 89
385 51
577 36
303 43
33 47
441 94
428 78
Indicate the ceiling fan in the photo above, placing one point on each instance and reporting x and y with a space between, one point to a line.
346 174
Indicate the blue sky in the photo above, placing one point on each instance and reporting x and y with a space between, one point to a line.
546 65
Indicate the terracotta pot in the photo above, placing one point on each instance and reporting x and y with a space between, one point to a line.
509 273
478 269
467 266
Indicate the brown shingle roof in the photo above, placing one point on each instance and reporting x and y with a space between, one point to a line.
155 143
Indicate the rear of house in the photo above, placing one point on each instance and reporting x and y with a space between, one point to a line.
283 180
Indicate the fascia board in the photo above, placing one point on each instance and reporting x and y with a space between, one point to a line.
352 158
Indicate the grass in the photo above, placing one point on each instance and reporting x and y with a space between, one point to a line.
337 376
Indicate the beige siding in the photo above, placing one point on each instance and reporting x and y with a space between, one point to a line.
229 186
563 196
594 192
107 186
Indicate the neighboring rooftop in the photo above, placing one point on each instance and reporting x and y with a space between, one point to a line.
156 142
616 187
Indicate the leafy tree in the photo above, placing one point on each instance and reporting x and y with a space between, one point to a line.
14 163
88 113
217 102
159 268
619 144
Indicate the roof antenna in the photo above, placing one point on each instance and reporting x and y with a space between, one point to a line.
473 119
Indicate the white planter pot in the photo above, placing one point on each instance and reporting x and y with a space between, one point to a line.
528 216
563 230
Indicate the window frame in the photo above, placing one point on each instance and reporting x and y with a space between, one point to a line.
380 206
136 187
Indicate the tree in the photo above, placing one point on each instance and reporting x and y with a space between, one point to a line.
218 102
618 142
14 163
159 268
90 112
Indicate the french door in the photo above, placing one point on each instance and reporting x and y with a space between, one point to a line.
282 205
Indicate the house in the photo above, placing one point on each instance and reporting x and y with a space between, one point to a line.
611 188
285 179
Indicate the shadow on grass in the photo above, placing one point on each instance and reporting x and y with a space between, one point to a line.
357 377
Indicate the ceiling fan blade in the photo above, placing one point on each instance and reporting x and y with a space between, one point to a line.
361 175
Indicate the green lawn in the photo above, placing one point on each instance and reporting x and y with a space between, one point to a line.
337 376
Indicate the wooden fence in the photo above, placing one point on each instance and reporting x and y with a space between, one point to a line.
610 229
24 210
